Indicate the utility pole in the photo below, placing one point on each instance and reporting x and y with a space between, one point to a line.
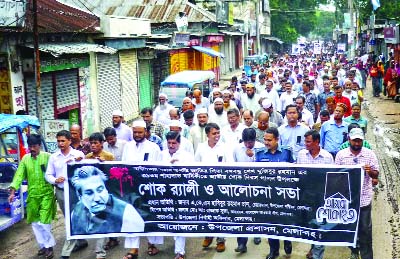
352 34
258 27
37 61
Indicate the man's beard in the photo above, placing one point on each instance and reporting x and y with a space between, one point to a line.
139 140
219 111
202 125
116 125
355 148
250 95
163 106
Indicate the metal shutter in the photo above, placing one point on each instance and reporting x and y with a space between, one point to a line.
67 90
129 84
109 88
160 72
145 85
47 96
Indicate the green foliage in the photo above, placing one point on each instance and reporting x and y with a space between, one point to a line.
287 24
325 24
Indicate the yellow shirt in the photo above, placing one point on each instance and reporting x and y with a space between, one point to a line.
104 156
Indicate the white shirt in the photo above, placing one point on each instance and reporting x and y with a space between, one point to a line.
124 132
220 120
161 114
287 99
250 104
185 145
57 165
232 136
116 150
353 97
274 97
239 153
180 155
205 153
135 152
204 103
197 135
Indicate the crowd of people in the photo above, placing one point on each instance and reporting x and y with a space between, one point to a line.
296 110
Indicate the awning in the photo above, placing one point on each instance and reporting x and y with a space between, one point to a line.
232 33
58 49
274 39
209 51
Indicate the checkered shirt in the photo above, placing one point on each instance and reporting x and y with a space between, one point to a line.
365 157
157 129
324 157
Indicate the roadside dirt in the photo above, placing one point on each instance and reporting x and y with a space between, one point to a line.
384 136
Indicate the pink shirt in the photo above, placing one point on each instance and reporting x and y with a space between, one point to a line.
365 157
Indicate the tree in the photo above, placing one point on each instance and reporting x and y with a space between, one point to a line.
291 18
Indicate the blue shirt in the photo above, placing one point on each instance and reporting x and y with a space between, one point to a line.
322 99
157 140
333 135
280 155
292 137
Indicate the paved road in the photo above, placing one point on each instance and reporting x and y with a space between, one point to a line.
18 241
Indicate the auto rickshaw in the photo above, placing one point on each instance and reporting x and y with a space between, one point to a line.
13 131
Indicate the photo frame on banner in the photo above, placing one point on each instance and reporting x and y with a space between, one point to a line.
307 203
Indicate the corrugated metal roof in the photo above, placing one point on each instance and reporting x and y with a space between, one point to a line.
58 49
158 11
56 17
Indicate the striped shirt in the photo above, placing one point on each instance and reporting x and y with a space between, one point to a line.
324 157
365 157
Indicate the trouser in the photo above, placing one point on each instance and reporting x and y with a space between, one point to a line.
364 241
242 241
180 245
375 86
274 245
100 252
134 242
318 251
68 244
43 235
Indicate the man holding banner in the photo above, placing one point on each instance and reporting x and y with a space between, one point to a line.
175 156
141 150
272 152
314 154
357 154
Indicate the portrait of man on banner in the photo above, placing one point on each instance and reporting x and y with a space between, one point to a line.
97 211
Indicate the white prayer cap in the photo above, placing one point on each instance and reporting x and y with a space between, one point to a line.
117 113
139 124
226 92
203 110
175 123
163 95
266 103
186 98
216 89
218 100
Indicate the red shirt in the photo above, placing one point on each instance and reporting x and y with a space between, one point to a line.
346 101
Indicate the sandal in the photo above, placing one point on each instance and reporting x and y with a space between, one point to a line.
179 256
152 250
111 243
49 253
130 256
41 251
309 254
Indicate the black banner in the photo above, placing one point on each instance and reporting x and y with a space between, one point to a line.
306 203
